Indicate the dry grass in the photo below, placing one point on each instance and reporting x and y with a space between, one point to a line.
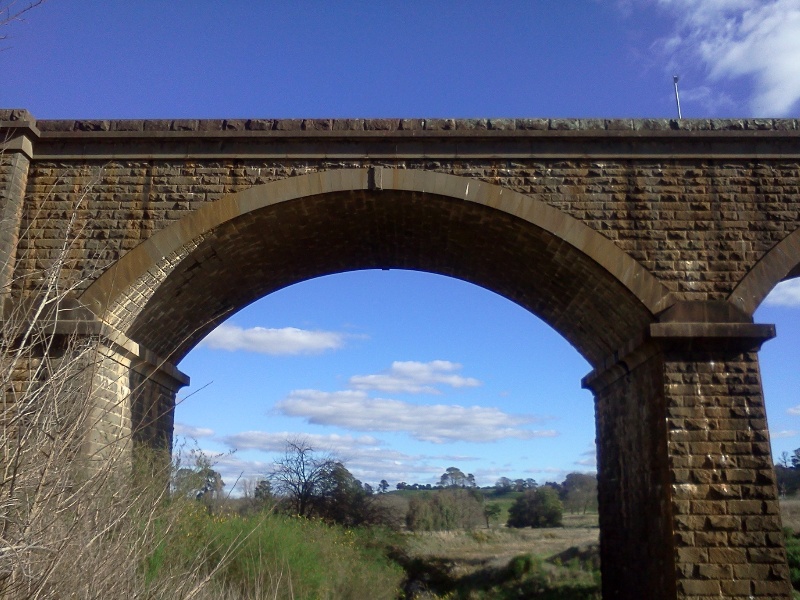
496 546
480 563
790 513
73 526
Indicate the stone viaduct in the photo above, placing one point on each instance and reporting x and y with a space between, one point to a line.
647 244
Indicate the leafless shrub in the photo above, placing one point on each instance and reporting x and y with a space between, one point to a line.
77 520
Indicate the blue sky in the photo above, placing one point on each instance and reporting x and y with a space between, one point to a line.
376 365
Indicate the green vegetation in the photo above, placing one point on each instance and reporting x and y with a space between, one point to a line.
259 546
445 510
504 563
537 508
286 557
793 556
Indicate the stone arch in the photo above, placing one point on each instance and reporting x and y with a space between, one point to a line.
654 369
781 262
272 235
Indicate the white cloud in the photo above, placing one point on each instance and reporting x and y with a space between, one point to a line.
366 457
795 410
414 377
786 433
275 441
439 423
287 340
743 38
190 431
786 293
374 464
711 100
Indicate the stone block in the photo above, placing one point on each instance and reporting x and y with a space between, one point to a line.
502 124
692 556
157 125
439 124
723 522
288 124
532 124
699 587
259 124
728 556
772 589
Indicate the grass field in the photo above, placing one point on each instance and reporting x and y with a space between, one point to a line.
563 556
790 513
499 544
480 563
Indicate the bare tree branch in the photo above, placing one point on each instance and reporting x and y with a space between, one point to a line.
12 11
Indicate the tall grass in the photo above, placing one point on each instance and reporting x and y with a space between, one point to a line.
289 557
71 524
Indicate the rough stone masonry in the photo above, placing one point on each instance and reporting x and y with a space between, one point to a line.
648 244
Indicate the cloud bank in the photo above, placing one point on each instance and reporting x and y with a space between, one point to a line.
439 423
759 39
785 433
275 441
366 457
284 341
786 293
182 429
413 377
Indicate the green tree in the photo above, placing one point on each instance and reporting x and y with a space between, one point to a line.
796 458
314 485
579 492
198 481
454 477
504 485
491 512
263 491
445 510
536 508
383 486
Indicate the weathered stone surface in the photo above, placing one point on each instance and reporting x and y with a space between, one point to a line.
647 243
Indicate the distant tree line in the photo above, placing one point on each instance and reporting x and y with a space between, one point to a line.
787 473
456 503
310 484
504 485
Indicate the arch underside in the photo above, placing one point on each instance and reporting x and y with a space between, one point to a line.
782 262
254 254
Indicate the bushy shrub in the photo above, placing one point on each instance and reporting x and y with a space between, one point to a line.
536 508
445 510
520 565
